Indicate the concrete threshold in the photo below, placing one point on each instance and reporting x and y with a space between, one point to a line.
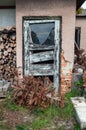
79 104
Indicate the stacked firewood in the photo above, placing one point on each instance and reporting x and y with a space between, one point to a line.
81 57
7 53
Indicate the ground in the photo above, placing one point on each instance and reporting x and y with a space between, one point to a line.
14 117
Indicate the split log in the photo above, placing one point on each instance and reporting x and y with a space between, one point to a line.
1 46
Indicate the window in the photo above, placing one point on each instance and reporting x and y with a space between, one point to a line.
77 36
42 33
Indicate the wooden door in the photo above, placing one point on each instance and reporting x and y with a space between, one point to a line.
42 48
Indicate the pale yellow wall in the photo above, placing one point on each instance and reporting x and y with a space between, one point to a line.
64 8
81 22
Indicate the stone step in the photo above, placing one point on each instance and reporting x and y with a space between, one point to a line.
79 104
4 85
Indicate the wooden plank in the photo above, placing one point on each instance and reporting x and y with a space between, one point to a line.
41 69
41 47
42 56
41 21
26 50
57 52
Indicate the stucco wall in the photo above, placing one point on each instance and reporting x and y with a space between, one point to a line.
66 9
81 22
7 17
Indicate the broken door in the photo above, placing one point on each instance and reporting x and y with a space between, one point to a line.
42 48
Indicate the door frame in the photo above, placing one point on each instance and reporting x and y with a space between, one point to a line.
57 38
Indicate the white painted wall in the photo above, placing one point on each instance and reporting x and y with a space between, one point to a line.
7 17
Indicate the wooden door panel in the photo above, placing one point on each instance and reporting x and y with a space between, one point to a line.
41 69
41 56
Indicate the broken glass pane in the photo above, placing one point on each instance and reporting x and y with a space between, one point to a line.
42 33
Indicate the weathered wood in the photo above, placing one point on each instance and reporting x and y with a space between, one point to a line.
13 37
11 41
7 53
33 47
1 46
1 40
29 47
26 48
57 51
10 49
42 56
41 69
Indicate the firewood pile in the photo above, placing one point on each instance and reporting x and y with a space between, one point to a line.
80 65
79 60
7 53
81 57
32 92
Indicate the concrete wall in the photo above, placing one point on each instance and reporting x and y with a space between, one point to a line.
7 17
81 22
66 9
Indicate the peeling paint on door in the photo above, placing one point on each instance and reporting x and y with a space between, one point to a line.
42 48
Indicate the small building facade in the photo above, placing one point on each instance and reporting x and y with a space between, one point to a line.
45 33
60 10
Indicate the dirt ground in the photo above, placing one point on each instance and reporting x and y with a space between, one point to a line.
10 119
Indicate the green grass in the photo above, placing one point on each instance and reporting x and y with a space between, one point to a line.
76 127
8 103
4 127
46 118
39 123
22 127
13 106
